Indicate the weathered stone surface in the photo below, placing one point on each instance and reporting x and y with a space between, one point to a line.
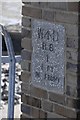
48 42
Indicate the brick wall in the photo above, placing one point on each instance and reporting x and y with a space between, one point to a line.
38 102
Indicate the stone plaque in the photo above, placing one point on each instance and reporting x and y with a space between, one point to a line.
48 55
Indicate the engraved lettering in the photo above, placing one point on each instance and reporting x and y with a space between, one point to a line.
44 46
51 47
47 35
42 66
37 74
52 78
40 33
50 68
48 55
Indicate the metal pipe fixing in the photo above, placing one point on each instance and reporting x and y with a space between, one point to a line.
0 61
12 61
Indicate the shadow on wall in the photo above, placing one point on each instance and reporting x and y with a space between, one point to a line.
16 39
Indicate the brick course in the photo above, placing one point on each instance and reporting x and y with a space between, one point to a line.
32 12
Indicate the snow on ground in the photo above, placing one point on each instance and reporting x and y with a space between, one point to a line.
4 90
3 111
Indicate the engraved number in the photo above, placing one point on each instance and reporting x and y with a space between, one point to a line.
51 47
44 46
